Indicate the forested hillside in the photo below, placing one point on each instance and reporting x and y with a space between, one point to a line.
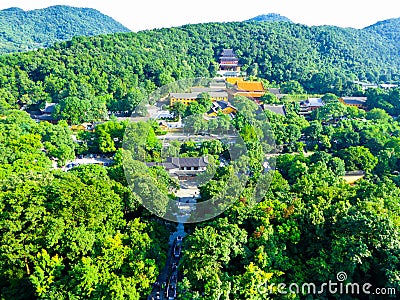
118 70
77 235
25 30
80 232
270 18
389 29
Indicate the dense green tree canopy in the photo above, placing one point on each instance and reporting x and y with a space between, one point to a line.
103 76
65 234
43 27
83 234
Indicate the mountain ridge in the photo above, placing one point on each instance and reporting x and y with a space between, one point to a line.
22 30
271 17
389 29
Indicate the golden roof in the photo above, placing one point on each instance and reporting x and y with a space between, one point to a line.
250 86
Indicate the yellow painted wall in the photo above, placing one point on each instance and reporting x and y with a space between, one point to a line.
188 101
234 80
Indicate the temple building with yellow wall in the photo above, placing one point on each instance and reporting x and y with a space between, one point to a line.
360 102
187 98
252 89
221 106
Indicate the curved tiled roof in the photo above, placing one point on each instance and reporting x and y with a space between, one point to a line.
250 86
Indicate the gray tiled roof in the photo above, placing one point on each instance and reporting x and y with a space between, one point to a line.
166 165
228 52
188 161
177 162
355 100
278 109
200 89
217 84
194 95
274 91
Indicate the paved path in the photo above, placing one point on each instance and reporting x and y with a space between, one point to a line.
169 275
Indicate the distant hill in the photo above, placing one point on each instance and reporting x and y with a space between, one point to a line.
270 18
26 30
390 29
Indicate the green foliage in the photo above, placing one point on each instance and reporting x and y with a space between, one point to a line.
270 18
388 29
71 234
77 240
386 100
43 27
292 87
141 141
358 158
205 100
213 147
287 129
378 114
209 250
57 141
83 234
196 122
116 79
27 145
178 109
195 108
79 110
332 110
269 98
329 98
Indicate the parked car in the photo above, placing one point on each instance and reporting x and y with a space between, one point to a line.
171 292
177 251
179 239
